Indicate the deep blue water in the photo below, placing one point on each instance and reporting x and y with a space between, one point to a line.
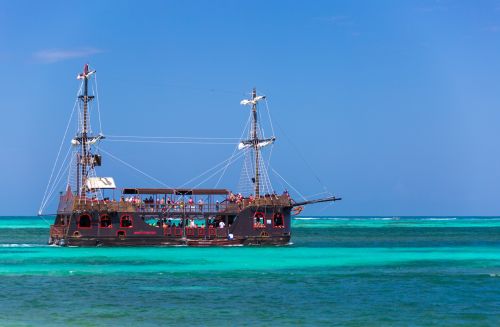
354 271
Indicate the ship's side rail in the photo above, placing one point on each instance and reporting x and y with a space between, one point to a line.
272 200
99 205
123 206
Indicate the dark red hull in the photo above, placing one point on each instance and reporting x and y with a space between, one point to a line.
98 224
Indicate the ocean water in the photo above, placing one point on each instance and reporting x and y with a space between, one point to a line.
353 271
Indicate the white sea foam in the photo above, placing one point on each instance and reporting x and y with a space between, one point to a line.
399 218
440 219
325 218
347 218
21 245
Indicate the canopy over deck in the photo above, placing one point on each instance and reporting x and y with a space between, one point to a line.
179 191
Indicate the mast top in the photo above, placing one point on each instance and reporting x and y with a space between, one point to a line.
255 98
86 73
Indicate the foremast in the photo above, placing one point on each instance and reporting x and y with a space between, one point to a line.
85 159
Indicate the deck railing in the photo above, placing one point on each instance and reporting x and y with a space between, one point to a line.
141 206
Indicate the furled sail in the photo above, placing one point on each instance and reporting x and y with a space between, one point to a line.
246 102
90 140
261 144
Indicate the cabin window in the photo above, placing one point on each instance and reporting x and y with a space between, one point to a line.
105 221
121 234
278 220
84 221
126 221
258 220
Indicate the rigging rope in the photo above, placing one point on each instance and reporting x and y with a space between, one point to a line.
207 171
235 150
69 181
303 159
60 147
289 184
173 142
244 183
97 99
272 131
56 181
130 166
316 194
218 171
172 137
266 180
269 115
54 188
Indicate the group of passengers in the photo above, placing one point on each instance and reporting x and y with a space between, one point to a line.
239 199
167 204
189 223
176 205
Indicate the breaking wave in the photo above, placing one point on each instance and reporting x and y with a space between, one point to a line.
21 245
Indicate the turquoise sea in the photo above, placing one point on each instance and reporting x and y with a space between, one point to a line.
353 271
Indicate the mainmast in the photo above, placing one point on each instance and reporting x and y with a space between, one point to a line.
254 141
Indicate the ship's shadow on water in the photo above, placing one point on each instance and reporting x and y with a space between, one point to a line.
336 273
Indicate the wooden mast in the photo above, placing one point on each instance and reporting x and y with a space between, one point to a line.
84 160
255 141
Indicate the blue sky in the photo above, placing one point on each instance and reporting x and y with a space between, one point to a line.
394 105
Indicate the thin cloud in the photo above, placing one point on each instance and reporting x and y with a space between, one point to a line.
55 55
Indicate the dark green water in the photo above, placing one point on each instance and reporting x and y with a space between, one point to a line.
410 271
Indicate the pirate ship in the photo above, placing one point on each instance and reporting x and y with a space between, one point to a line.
167 216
